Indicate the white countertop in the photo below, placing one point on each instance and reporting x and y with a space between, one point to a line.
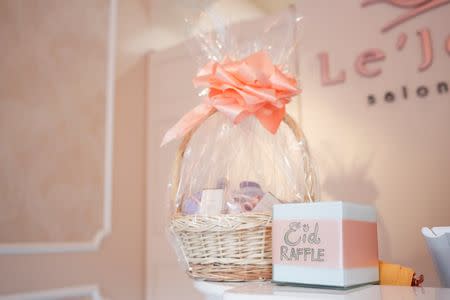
369 292
269 291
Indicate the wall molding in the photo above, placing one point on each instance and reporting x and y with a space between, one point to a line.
95 242
35 248
91 291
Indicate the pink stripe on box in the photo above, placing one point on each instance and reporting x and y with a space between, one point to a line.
360 244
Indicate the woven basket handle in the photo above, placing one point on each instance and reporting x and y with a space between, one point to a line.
288 120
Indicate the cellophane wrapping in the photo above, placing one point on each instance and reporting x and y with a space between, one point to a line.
229 170
246 161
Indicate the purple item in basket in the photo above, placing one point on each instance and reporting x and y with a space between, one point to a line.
191 205
222 183
249 184
248 196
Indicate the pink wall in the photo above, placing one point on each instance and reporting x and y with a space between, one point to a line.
52 104
392 155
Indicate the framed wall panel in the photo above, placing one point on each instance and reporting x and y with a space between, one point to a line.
56 124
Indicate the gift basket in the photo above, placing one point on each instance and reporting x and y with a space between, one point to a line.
240 152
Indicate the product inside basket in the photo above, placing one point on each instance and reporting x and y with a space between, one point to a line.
240 151
229 169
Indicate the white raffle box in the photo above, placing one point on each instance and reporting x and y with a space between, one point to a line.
325 243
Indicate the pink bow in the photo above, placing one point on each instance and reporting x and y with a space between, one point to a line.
252 86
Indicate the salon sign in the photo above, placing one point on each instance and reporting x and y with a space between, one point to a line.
369 63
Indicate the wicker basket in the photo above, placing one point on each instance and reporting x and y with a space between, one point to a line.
229 247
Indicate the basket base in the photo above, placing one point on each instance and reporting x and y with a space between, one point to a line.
230 272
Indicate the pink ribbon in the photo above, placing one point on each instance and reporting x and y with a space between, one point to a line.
238 89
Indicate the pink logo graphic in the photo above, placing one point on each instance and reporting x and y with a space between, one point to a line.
413 8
